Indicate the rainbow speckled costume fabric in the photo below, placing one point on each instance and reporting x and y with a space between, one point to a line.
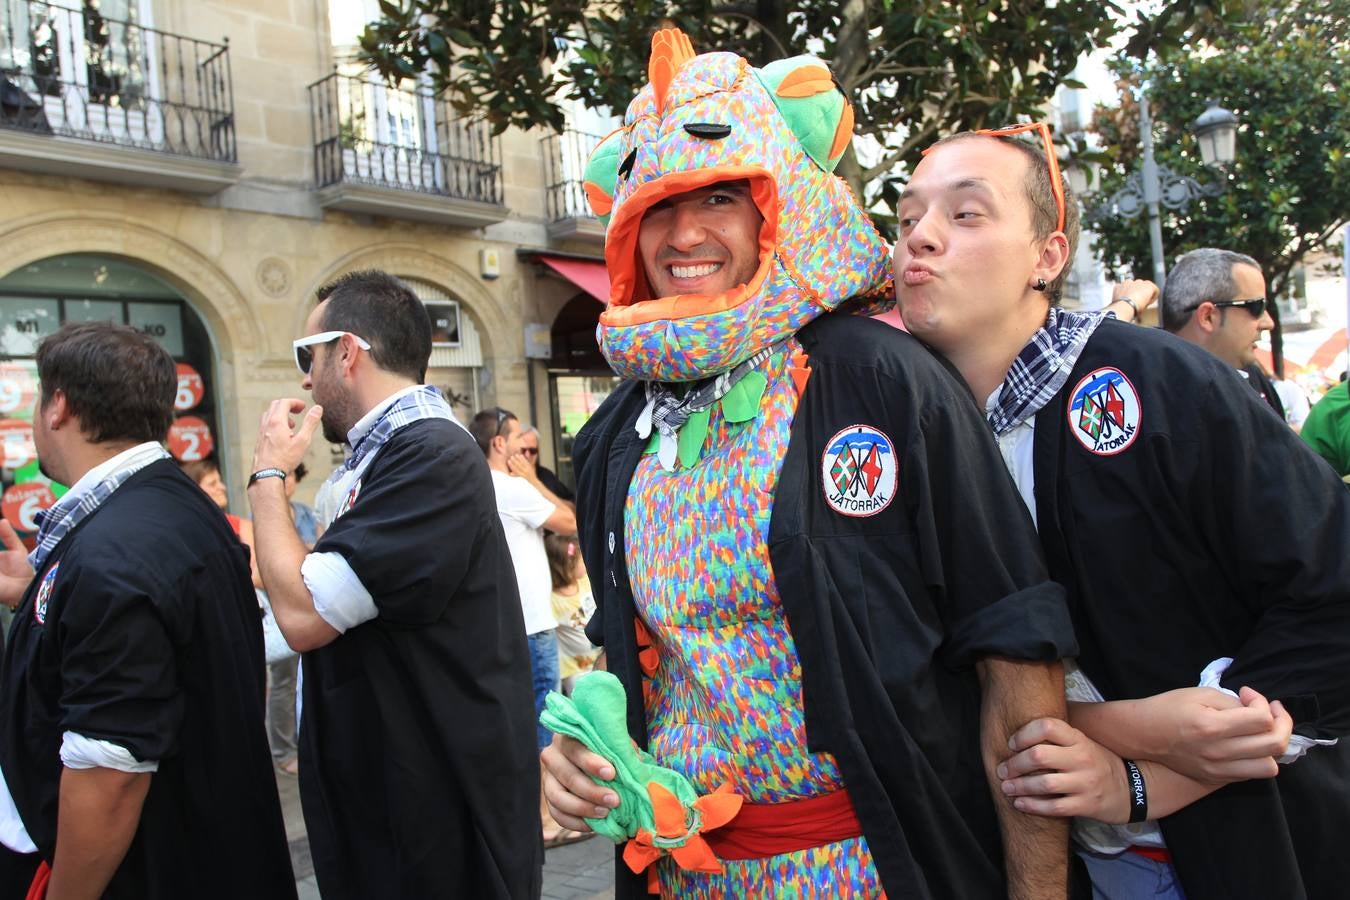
725 703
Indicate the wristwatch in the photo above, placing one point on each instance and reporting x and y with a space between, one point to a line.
265 473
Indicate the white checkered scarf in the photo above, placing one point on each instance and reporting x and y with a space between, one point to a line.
58 521
424 403
667 411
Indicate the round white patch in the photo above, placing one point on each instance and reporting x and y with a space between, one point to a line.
1104 412
858 471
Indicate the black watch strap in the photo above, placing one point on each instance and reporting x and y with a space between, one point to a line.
266 473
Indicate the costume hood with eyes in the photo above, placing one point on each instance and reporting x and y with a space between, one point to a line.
714 118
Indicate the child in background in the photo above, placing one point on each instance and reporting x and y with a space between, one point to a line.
572 607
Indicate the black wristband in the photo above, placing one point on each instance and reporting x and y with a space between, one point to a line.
265 473
1138 793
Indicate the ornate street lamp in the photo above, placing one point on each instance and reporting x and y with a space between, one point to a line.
1216 131
1155 185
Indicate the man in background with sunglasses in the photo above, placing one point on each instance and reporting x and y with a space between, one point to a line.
1216 299
417 772
1177 513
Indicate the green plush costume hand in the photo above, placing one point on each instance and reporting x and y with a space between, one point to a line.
659 810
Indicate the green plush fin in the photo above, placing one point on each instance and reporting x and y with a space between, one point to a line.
691 437
601 177
741 403
814 108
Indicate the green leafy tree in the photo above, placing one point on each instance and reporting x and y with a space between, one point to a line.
915 70
1286 74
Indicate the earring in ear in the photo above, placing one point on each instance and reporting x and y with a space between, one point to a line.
1040 285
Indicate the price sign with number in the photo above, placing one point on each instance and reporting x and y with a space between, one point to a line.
16 443
18 388
21 503
191 388
190 439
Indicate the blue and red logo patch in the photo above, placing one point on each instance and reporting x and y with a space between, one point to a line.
1104 412
44 593
859 471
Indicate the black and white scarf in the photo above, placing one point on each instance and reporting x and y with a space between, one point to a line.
1041 369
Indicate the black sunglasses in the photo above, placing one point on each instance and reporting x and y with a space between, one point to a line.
502 418
1255 306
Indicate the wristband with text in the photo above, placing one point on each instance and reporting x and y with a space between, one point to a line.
1138 793
266 473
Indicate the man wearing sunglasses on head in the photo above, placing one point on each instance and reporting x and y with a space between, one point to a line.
417 772
1216 299
1177 513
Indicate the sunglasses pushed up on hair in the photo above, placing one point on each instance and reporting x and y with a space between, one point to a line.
1042 129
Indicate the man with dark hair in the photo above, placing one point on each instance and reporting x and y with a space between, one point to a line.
372 302
1112 431
1216 299
131 717
526 509
417 772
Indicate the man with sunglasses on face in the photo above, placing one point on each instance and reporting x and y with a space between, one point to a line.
1216 299
417 772
1108 431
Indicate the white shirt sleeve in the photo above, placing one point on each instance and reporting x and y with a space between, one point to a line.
80 752
525 503
340 598
1298 744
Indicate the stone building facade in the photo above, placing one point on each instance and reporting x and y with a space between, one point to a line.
200 167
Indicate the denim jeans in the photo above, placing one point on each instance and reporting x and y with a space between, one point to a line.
544 669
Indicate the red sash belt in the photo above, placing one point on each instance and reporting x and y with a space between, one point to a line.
1157 854
760 830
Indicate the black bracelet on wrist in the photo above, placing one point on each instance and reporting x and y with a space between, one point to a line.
1138 793
265 473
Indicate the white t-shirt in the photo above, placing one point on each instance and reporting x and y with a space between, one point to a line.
524 511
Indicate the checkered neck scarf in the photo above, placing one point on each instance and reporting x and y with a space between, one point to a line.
666 411
424 403
1042 367
58 521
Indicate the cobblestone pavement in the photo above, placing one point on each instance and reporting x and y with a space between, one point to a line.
582 871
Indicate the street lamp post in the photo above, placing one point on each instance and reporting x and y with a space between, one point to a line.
1156 185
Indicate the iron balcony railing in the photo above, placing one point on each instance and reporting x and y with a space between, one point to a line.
97 74
565 157
368 132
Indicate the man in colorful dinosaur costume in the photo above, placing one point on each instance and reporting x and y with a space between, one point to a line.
819 586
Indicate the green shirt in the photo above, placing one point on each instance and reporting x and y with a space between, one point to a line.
1327 428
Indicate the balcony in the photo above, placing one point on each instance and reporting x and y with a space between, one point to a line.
569 213
399 152
98 97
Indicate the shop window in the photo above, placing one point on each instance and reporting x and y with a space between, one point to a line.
34 302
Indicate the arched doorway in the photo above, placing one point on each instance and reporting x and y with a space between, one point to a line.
579 377
35 300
